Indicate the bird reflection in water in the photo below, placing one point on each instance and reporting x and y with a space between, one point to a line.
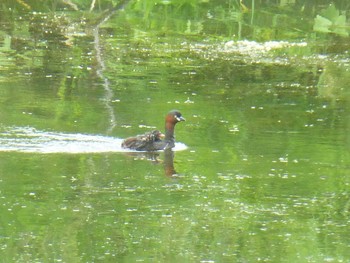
168 161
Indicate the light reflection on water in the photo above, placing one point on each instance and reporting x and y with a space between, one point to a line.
28 139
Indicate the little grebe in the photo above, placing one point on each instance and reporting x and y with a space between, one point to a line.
153 141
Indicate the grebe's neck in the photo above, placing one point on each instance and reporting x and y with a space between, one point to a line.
169 131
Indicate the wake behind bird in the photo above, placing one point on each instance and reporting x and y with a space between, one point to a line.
31 140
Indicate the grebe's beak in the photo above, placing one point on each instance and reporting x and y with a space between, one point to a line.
180 118
162 136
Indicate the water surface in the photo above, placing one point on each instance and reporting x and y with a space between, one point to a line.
260 172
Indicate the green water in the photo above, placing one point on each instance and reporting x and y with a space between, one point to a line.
264 177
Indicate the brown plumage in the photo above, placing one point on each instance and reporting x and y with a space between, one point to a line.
143 142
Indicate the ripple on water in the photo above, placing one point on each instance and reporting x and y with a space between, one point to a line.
27 139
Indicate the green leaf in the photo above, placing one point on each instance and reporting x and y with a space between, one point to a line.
331 13
322 24
340 21
340 26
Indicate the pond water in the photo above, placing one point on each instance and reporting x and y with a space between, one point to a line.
260 171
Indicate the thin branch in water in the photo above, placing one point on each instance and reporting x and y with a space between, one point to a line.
92 6
106 85
101 65
24 4
71 4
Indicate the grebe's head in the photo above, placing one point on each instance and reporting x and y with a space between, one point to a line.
174 117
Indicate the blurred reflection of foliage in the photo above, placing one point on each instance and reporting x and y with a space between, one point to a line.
331 20
334 81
